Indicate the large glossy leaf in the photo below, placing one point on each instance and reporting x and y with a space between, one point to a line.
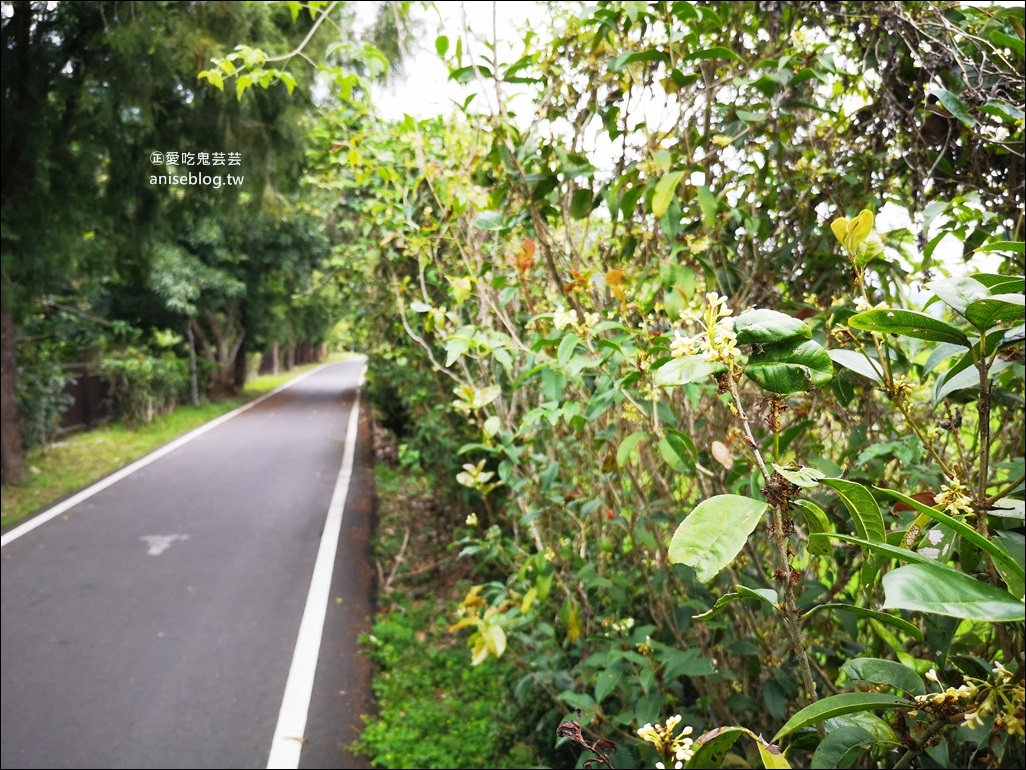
883 549
714 533
835 705
967 532
710 749
793 366
862 612
762 326
841 748
927 588
958 293
997 309
816 522
910 323
858 363
865 513
888 672
686 369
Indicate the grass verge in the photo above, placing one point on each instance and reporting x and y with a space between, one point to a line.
83 458
435 709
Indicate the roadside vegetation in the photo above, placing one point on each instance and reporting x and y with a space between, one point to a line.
698 331
74 461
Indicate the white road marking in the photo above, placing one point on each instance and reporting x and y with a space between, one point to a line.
160 543
128 470
289 734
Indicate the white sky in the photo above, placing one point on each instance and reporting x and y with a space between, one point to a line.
424 89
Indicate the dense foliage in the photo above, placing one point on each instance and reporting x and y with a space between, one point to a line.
741 451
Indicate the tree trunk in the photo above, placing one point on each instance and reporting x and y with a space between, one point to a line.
193 376
12 455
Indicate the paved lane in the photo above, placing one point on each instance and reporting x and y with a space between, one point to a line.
154 624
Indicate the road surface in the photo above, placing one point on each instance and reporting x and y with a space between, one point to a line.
157 623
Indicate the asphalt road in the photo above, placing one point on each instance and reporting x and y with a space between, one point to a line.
153 625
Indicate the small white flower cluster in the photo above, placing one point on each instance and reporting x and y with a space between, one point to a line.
623 625
955 498
562 318
718 342
677 749
1002 697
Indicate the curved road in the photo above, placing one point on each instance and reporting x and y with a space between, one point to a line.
156 623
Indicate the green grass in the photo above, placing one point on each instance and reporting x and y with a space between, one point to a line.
83 458
435 709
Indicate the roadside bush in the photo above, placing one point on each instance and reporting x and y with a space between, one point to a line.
143 386
42 401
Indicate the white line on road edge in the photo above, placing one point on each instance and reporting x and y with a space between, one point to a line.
128 470
290 732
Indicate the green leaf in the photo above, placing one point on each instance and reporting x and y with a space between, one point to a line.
578 700
858 363
865 512
999 308
767 595
888 672
955 106
709 205
686 663
881 617
816 522
1006 247
580 204
566 348
686 369
441 45
606 683
1011 42
967 532
882 549
665 191
836 705
762 326
802 476
927 588
958 293
714 533
492 220
619 63
711 748
623 452
789 367
214 78
1016 584
677 450
714 52
842 747
910 323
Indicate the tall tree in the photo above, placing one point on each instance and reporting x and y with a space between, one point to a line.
96 98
